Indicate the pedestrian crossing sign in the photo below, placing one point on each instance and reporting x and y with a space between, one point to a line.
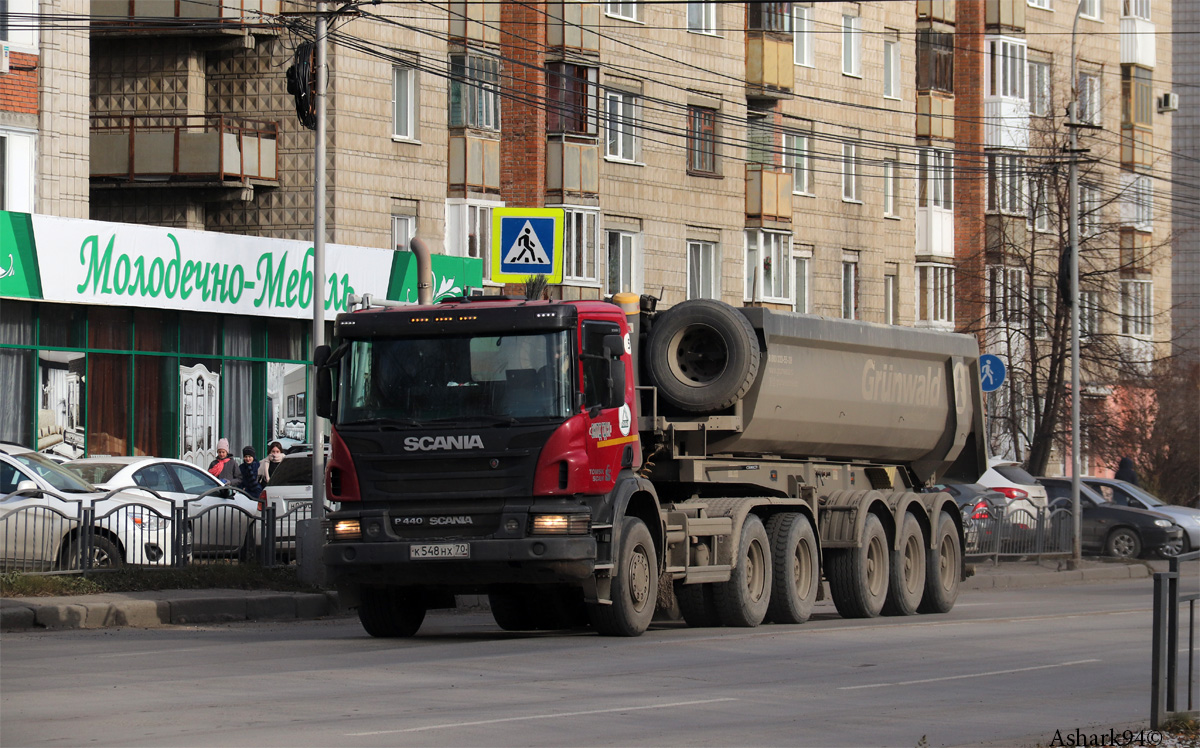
525 242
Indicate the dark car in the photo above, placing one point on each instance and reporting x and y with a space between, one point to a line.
1113 529
982 508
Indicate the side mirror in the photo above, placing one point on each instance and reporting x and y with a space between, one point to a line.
324 383
614 345
615 397
27 485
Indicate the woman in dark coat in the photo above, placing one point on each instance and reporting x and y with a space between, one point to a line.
1126 472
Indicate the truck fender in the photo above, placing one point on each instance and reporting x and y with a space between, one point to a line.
843 514
907 501
636 497
944 502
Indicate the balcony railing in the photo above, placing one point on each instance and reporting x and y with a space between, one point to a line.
935 10
572 25
935 115
768 193
935 232
572 167
1005 14
1137 42
112 13
474 165
200 148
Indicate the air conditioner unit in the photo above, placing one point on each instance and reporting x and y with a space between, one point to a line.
1168 102
3 59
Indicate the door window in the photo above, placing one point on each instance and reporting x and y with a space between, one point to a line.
156 478
192 480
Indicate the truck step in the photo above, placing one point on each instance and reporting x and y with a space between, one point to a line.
603 567
702 574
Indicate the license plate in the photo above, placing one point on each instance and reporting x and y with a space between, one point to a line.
439 550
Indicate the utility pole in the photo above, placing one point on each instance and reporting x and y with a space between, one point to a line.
1073 238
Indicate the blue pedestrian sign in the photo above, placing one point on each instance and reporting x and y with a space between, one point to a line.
525 242
991 372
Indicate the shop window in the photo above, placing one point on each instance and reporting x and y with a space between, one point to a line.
287 403
199 410
108 404
109 328
61 325
238 390
16 371
155 330
156 406
200 334
286 338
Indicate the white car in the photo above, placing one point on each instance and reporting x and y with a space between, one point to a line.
1026 497
42 507
289 492
220 520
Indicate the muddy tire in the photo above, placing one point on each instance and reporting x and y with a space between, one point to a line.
795 568
943 568
697 605
858 577
743 600
906 585
634 584
389 612
702 355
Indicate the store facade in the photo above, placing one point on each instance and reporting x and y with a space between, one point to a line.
123 339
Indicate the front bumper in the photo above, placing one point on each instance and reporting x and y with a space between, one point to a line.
1155 538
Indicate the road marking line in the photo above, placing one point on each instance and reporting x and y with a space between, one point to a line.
968 675
536 716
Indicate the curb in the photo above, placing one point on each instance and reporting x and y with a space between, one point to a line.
26 615
1054 578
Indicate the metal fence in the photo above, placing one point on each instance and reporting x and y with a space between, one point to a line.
1164 678
999 532
45 532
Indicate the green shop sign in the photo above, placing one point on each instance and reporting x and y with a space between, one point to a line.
69 260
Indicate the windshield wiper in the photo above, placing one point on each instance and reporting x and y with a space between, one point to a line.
381 422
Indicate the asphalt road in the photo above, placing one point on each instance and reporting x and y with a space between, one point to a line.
1010 666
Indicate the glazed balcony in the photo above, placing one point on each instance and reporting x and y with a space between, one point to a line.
474 165
935 10
572 167
768 194
1005 15
770 67
1005 122
183 17
1137 42
571 26
935 115
197 151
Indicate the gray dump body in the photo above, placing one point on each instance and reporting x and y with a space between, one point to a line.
840 389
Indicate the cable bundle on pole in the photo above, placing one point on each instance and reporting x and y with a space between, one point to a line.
300 85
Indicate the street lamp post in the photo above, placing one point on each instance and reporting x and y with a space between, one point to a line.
1073 238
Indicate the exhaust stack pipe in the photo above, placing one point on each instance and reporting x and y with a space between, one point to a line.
424 271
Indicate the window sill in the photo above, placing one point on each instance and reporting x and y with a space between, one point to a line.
704 174
804 194
896 99
851 201
626 161
852 75
892 217
806 65
402 139
627 19
704 33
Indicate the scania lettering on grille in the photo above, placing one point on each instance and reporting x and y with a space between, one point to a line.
432 443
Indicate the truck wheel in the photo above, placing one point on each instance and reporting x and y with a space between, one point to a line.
858 577
510 610
388 612
907 583
743 600
702 355
943 568
796 567
697 605
634 586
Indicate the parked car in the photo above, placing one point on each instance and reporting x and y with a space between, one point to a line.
40 517
289 492
1025 495
220 521
981 508
9 448
1127 494
1112 529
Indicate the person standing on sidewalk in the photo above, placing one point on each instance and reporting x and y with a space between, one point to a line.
248 472
1126 472
271 464
223 468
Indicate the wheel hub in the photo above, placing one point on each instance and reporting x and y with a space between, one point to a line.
639 577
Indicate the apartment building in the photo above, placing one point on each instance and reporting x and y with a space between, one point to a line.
868 160
1186 171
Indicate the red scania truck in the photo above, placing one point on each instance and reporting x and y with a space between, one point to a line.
582 462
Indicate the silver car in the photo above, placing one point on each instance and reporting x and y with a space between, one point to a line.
1127 494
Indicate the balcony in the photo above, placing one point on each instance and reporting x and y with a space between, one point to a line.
572 26
935 115
475 21
768 195
1005 122
935 234
770 70
197 151
1137 146
1137 42
572 167
180 16
474 165
935 10
1005 15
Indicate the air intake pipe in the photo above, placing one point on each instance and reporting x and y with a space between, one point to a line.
424 271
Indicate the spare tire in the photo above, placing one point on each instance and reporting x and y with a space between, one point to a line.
702 355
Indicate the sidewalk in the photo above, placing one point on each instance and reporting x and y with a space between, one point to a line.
182 607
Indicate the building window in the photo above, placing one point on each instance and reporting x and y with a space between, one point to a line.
769 17
702 18
628 11
702 270
1039 88
622 113
702 139
581 238
1005 182
1089 209
802 45
1043 4
850 172
469 231
620 262
801 260
1041 204
1089 103
891 299
935 293
1006 292
474 92
571 99
1089 313
852 46
798 160
1136 9
935 179
17 175
891 187
1042 312
760 139
768 275
404 103
1005 68
402 231
1137 202
891 68
1090 9
935 61
1136 320
850 285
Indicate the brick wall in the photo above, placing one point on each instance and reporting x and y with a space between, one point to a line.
970 182
523 145
19 89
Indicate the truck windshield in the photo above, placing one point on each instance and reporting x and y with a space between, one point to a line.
416 381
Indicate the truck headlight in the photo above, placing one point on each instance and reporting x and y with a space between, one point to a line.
346 529
560 524
1162 523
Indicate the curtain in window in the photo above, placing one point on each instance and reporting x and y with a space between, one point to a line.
239 392
16 328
